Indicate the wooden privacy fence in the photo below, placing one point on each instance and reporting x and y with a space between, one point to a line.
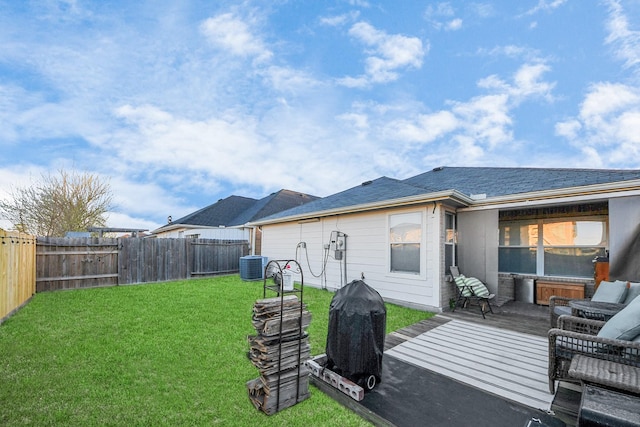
17 271
71 263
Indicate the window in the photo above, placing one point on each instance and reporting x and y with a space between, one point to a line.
571 246
518 247
552 246
450 257
405 237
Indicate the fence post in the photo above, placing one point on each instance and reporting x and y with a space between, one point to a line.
17 271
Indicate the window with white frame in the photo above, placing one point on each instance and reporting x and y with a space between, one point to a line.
405 237
450 257
558 243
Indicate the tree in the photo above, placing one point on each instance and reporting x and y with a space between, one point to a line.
68 201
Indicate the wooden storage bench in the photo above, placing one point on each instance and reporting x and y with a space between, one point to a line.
546 289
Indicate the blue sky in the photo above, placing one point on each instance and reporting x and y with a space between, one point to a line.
181 103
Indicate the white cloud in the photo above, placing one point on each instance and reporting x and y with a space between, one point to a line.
515 52
605 99
233 34
359 3
259 153
339 20
454 25
568 129
545 6
388 53
608 125
441 16
527 82
357 120
626 41
424 128
217 145
486 119
470 131
290 80
442 9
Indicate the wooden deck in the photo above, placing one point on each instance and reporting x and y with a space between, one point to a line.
509 364
513 316
455 352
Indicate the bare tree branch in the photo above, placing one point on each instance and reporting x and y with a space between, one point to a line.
68 201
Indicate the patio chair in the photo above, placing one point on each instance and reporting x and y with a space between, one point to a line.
470 289
616 341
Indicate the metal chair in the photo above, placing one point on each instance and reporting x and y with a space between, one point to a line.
470 289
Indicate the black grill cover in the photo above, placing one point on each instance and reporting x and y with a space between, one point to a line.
355 339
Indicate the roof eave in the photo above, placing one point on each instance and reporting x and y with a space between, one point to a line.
172 227
452 195
567 195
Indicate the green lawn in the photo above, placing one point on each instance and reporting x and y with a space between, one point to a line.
154 354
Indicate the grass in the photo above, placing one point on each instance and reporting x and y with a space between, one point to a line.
154 354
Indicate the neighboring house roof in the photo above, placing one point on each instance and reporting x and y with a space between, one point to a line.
222 213
238 210
462 184
273 203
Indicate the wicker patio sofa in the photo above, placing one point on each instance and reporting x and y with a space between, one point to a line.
578 336
619 291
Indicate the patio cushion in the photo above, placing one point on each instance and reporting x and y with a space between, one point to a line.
625 325
610 292
479 289
561 310
632 293
460 283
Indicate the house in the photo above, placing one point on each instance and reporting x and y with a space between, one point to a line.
226 219
496 224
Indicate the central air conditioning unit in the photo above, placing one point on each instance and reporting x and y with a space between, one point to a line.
252 267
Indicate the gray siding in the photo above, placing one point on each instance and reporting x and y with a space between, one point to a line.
478 246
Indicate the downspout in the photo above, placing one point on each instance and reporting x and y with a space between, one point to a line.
252 240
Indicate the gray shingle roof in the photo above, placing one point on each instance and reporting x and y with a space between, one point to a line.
223 212
505 181
238 210
469 181
368 192
274 203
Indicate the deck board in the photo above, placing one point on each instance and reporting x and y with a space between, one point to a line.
507 363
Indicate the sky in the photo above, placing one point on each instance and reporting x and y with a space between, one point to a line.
177 104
